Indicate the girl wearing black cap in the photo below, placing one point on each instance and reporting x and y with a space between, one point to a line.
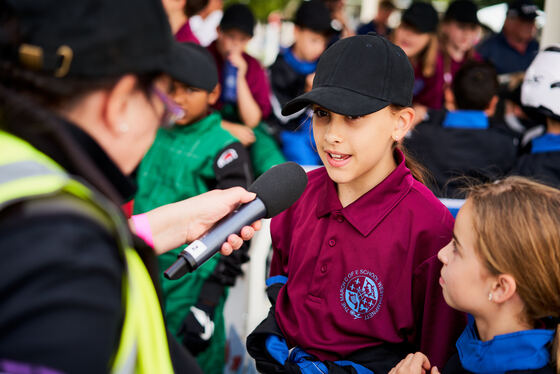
460 31
81 98
417 36
354 275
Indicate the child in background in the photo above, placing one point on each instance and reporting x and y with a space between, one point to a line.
460 31
245 99
379 23
417 36
465 141
195 156
290 76
540 91
502 268
354 275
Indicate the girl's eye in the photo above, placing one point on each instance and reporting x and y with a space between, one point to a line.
454 245
320 113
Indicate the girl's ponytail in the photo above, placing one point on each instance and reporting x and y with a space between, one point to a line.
418 171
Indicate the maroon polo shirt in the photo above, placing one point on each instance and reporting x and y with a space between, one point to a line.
365 274
256 79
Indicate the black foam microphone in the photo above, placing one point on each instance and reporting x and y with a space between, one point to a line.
276 190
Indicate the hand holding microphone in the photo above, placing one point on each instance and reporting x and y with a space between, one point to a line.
276 190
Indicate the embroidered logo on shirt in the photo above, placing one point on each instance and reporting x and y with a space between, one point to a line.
361 294
227 157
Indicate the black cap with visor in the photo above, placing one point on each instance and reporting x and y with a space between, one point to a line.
357 76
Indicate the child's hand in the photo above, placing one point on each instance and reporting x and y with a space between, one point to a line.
244 134
239 62
416 363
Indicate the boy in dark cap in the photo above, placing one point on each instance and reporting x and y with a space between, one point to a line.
195 156
292 74
245 99
513 49
465 141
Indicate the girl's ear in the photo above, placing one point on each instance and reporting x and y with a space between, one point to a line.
405 117
503 289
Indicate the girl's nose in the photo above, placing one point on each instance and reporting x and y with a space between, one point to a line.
442 254
333 134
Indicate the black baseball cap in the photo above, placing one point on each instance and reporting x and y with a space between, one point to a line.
464 11
422 16
202 71
314 15
525 9
357 76
89 38
239 17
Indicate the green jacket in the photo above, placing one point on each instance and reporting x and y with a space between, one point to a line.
183 162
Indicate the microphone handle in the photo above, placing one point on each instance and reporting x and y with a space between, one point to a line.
204 248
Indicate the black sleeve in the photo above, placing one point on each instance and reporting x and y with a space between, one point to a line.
61 293
232 167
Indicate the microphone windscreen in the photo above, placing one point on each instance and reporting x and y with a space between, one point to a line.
279 187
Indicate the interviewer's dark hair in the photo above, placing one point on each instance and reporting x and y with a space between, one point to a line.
474 85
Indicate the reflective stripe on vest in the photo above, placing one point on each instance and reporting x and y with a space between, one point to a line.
26 173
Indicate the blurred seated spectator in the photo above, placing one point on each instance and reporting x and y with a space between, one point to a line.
513 49
292 74
460 31
417 36
245 99
540 158
379 23
465 141
339 20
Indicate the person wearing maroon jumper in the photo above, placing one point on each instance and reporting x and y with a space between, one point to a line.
354 274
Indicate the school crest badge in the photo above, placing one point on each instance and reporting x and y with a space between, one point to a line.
361 294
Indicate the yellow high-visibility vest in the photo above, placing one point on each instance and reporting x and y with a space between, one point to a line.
27 174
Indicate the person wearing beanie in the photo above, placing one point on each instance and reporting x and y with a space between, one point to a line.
292 74
417 36
540 91
513 49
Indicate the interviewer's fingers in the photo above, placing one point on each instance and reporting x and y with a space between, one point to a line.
257 225
226 249
247 233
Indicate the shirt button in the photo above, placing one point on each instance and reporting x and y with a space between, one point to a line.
323 268
340 219
332 242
